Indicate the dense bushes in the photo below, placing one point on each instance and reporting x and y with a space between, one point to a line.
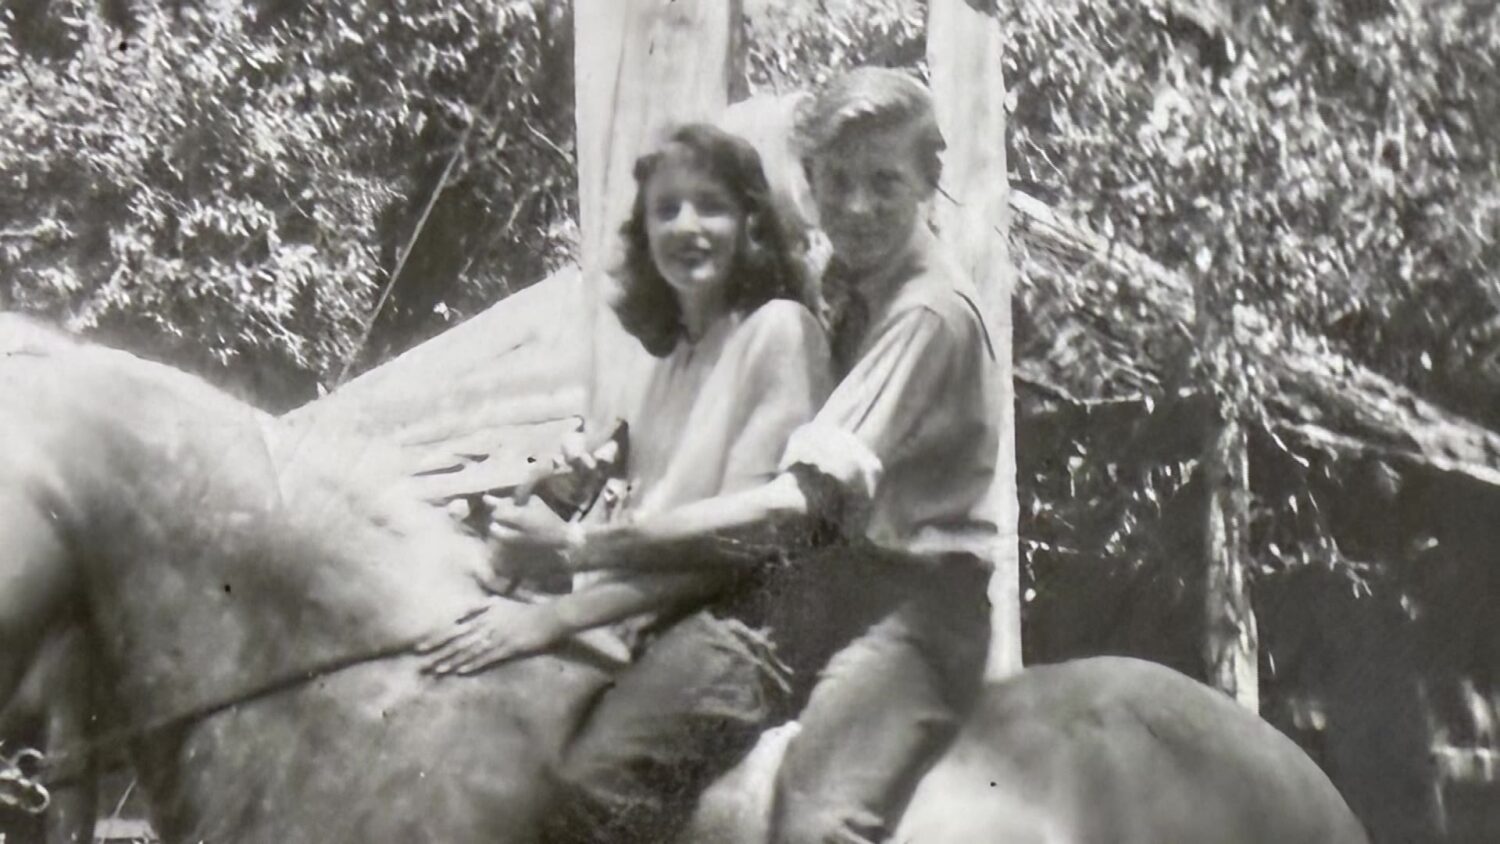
227 184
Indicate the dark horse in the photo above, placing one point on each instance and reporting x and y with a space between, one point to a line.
214 556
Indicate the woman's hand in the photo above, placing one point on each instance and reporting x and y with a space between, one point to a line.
493 633
575 475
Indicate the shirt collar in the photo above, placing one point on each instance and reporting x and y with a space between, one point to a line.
876 289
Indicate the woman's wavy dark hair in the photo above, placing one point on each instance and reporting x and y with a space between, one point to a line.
765 266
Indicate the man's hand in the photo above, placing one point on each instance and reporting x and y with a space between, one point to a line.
531 540
491 634
531 527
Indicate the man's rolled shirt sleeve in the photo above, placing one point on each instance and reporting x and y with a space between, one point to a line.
881 410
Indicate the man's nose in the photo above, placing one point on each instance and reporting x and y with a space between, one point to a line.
859 200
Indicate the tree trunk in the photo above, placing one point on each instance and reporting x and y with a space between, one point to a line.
964 46
1230 640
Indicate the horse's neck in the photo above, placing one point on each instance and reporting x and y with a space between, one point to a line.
218 560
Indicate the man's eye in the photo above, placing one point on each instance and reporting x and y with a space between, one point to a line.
664 210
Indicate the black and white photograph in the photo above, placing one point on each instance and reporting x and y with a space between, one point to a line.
750 421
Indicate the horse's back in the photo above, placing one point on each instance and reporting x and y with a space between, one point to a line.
1120 750
1095 751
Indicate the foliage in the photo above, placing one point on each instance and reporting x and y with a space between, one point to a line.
796 45
228 184
1334 175
1318 168
231 183
1322 171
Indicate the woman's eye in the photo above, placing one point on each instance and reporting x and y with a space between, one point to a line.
664 210
714 207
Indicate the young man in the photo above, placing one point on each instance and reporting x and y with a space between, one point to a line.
901 458
908 441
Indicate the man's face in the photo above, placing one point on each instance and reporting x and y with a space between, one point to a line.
869 190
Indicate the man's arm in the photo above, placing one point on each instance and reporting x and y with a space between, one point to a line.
880 412
616 599
730 531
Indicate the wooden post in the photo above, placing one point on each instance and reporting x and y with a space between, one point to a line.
1231 645
964 47
640 66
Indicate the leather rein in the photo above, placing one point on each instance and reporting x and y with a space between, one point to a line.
28 775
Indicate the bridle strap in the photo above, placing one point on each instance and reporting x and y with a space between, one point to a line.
583 646
69 760
67 766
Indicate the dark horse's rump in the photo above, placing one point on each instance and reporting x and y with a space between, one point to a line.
214 551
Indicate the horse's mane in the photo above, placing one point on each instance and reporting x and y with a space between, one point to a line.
360 479
27 340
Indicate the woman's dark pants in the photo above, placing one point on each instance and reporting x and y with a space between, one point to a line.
688 709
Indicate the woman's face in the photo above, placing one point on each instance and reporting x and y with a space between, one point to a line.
693 224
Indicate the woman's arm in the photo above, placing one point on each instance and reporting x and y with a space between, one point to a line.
797 508
502 630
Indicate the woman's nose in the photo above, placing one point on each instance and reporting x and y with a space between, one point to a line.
687 219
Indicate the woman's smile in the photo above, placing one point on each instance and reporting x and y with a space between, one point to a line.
693 225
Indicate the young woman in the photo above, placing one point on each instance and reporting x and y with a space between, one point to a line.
712 291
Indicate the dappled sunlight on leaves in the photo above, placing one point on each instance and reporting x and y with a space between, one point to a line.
228 187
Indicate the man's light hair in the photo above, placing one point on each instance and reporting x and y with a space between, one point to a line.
871 98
